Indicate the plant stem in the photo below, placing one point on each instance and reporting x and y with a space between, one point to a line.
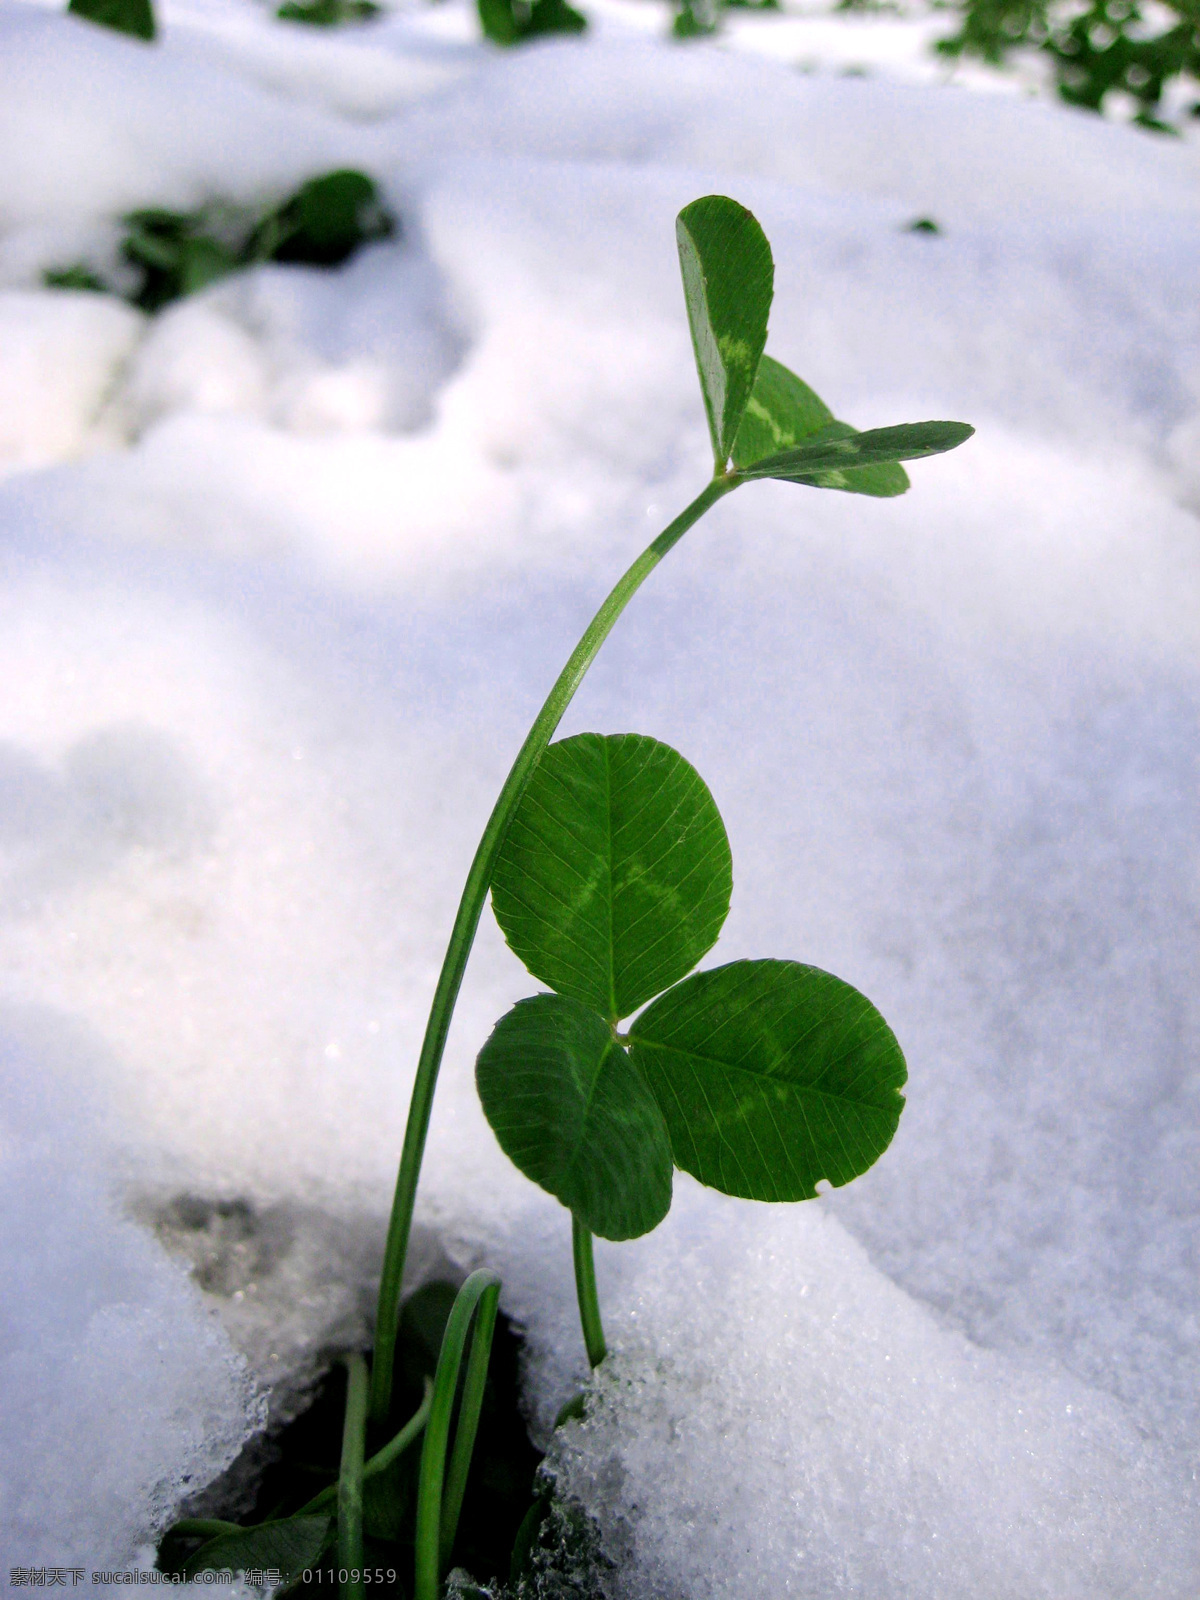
465 1429
480 1286
350 1481
467 921
378 1462
585 1289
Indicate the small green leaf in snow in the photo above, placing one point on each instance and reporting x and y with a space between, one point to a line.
615 875
728 281
571 1110
784 412
771 1076
837 449
134 17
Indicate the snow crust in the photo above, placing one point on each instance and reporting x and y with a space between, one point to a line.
122 1392
879 1437
287 570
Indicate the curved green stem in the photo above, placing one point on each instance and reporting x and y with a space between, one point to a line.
467 921
350 1481
381 1460
585 1289
467 1425
481 1286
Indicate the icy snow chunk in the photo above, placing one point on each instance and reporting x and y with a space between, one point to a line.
194 359
291 1281
366 347
347 399
870 313
777 1418
122 1395
544 385
63 353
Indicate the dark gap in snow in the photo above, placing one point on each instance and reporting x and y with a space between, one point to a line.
277 1474
254 1261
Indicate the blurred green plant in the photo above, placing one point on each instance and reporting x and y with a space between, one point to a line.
328 13
1095 48
177 253
323 223
697 19
510 22
135 17
75 277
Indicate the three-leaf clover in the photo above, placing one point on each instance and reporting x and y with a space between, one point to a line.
609 872
760 1078
613 876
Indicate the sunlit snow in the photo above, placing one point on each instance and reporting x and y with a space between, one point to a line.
287 570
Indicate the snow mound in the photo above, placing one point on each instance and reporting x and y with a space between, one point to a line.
122 1392
62 356
825 1436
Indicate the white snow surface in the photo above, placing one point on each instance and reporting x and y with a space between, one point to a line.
121 1390
286 572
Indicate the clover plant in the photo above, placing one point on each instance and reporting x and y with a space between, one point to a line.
1094 47
509 22
610 875
328 13
178 253
134 17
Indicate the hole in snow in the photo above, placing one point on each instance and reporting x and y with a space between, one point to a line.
279 1473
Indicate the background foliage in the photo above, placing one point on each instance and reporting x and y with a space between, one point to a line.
1093 48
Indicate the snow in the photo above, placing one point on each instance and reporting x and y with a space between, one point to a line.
61 354
286 572
121 1390
888 1455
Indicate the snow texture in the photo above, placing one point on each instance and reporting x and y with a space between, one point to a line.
287 570
122 1393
